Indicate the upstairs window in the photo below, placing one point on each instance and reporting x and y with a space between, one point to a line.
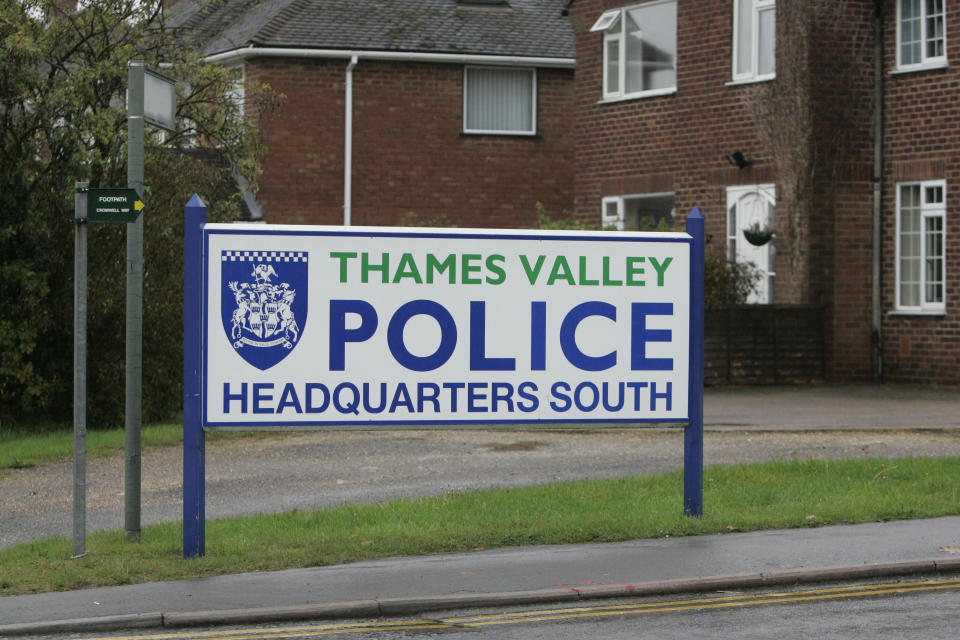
499 100
639 50
236 93
921 33
754 40
921 275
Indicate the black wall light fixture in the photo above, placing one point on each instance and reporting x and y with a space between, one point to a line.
738 160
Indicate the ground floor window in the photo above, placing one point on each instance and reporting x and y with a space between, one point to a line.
921 230
644 212
750 224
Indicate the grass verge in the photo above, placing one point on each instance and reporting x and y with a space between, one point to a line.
738 498
21 448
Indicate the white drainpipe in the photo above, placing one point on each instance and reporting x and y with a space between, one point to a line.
242 53
348 145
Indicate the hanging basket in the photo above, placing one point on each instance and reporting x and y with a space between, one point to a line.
757 237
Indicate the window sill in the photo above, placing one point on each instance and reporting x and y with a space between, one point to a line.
639 96
931 66
745 81
938 313
502 134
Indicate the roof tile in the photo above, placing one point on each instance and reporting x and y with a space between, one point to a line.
521 28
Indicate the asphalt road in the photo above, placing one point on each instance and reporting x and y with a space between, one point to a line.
921 609
920 616
319 469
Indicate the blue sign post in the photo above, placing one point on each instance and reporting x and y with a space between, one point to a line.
693 432
288 327
194 454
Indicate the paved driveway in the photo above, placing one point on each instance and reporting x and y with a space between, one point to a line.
321 469
832 406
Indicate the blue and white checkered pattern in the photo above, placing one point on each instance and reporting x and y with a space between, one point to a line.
263 256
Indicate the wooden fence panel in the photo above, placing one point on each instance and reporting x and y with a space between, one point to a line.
764 344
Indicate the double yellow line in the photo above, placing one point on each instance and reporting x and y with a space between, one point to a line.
570 613
712 602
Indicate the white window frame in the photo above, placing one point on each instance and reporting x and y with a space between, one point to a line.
533 102
612 24
926 62
237 93
752 75
607 20
928 211
611 213
612 216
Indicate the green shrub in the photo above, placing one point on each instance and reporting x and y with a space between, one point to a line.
63 121
414 219
565 221
727 283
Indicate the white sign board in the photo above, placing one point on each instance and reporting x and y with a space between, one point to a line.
332 326
160 100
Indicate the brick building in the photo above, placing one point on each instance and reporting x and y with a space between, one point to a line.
455 111
765 114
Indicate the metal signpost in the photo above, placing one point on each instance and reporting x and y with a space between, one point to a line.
90 205
80 370
151 98
133 358
289 327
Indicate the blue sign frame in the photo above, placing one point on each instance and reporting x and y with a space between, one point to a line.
196 327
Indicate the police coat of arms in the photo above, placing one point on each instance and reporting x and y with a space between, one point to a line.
264 303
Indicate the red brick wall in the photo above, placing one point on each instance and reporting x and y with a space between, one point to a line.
842 223
409 154
921 142
302 182
677 143
668 143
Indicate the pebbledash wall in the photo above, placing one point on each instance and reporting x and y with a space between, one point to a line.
410 155
677 143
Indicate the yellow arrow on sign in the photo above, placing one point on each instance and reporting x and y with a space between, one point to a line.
138 205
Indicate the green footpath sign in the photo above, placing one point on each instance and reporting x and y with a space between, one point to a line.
113 205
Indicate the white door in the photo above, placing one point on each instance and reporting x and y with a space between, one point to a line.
752 208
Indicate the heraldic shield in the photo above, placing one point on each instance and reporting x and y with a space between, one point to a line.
263 303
